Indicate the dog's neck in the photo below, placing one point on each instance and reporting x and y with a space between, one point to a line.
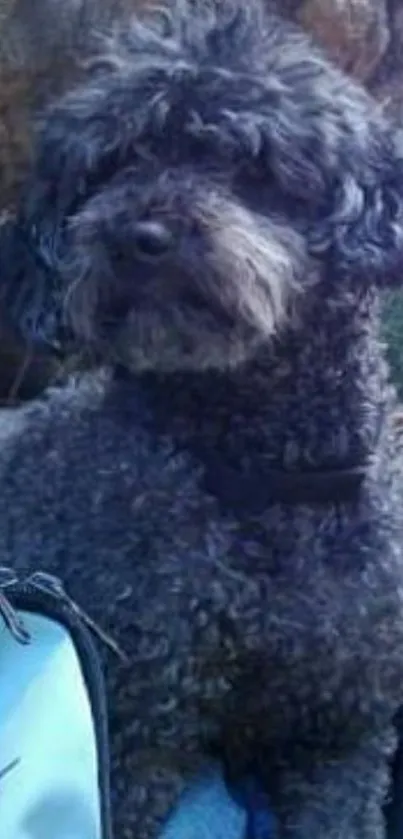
315 403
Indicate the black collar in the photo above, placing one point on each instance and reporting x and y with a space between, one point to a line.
255 492
252 491
324 485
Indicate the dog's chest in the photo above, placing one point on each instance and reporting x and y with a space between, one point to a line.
208 600
293 597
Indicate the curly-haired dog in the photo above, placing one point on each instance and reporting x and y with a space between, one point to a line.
217 208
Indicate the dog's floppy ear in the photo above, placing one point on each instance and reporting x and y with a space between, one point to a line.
325 143
363 230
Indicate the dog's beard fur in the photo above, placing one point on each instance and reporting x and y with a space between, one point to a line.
211 312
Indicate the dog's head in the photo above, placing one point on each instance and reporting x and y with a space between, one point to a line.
212 168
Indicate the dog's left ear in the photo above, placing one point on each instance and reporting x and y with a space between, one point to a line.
362 233
336 158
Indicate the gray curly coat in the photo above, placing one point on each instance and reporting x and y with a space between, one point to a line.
233 206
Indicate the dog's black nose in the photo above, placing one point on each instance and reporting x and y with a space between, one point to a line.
152 240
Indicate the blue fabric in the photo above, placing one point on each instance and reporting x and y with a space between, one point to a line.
208 811
260 821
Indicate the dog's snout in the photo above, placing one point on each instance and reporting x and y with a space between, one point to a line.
152 240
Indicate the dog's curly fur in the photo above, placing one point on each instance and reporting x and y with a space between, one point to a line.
43 47
219 207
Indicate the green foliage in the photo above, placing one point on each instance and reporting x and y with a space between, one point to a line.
393 334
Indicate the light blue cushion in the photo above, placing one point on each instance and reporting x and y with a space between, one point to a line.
48 754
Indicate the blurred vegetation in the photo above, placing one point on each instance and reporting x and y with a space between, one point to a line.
393 334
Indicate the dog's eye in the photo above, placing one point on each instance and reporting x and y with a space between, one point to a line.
152 240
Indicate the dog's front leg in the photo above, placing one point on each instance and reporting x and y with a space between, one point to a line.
337 798
146 790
